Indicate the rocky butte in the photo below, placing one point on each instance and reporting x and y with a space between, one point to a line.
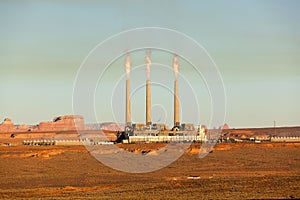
60 123
63 123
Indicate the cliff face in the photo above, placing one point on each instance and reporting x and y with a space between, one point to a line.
61 123
67 122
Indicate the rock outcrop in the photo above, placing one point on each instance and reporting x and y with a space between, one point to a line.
113 127
62 123
225 127
22 127
7 125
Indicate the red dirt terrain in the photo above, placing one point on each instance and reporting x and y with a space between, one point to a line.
230 171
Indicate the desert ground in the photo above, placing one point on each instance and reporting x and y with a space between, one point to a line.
230 171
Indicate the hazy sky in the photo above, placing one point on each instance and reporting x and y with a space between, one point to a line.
255 44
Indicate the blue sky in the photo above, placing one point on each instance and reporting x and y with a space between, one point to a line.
256 45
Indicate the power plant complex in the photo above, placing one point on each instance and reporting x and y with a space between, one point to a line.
63 130
153 132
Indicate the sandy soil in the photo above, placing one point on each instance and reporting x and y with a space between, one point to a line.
231 171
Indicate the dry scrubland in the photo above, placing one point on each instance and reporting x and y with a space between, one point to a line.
232 171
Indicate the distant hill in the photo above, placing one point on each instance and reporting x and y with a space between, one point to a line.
280 131
108 126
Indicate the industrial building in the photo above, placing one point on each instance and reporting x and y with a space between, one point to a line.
152 132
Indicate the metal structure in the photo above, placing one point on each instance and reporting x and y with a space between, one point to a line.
152 132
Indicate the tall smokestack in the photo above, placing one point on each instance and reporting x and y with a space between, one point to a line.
176 100
128 111
148 92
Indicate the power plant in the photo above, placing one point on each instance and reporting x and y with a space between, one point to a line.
153 132
176 98
148 91
128 111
